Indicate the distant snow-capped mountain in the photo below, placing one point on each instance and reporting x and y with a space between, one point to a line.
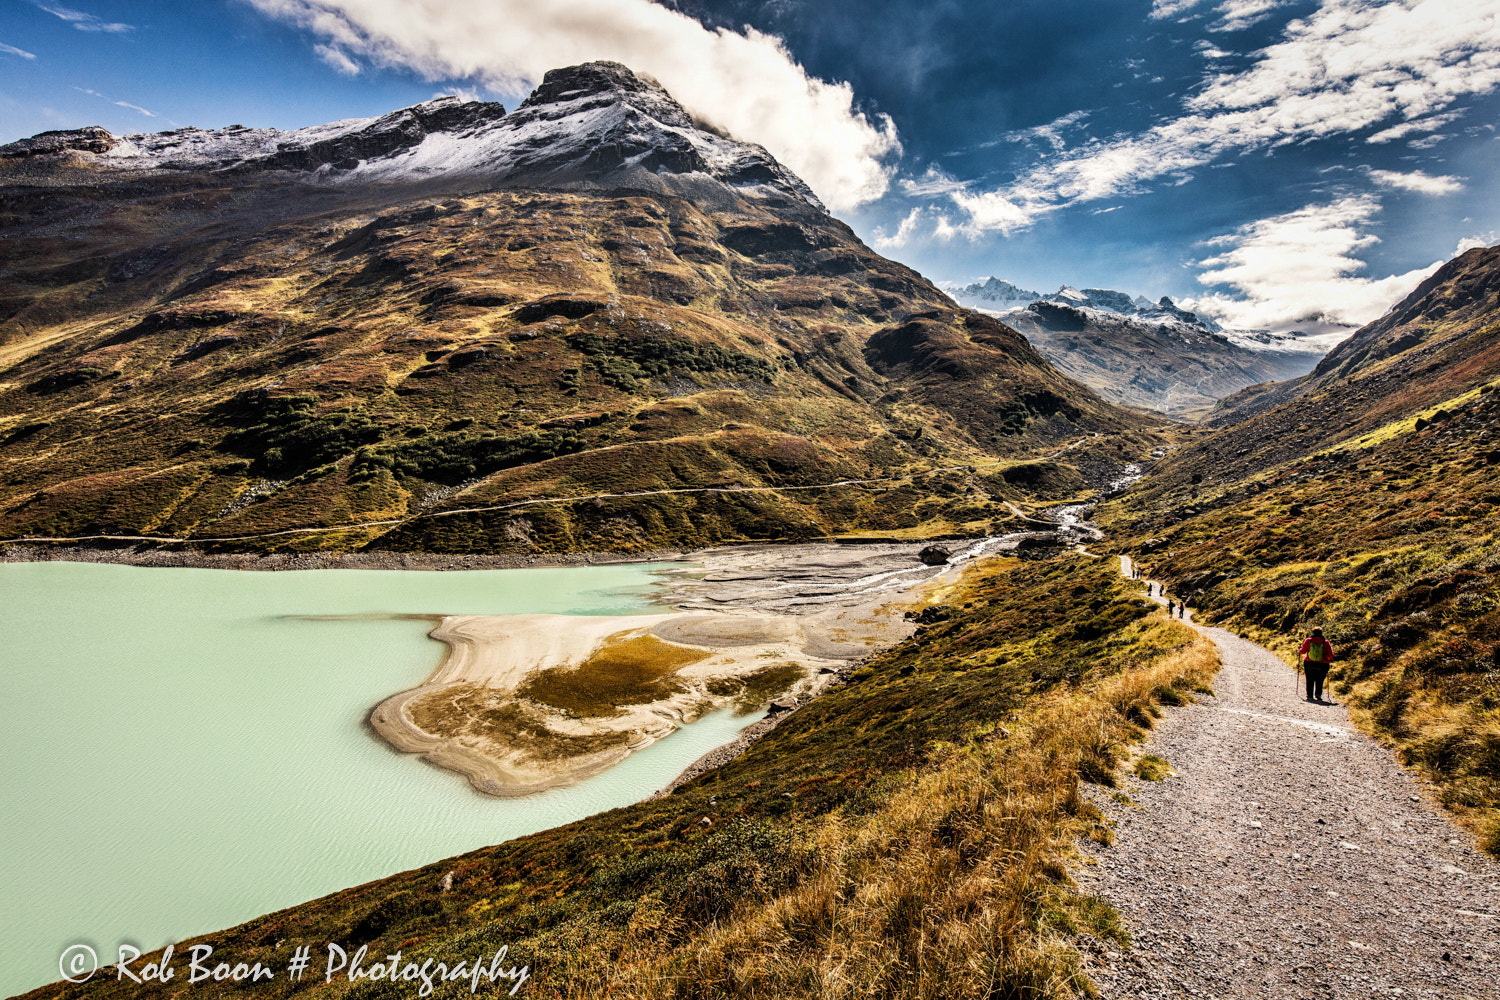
1138 352
992 293
1000 297
995 294
593 123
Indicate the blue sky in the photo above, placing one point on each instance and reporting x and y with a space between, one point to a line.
1278 163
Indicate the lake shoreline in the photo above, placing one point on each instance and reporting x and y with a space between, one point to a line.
747 598
434 562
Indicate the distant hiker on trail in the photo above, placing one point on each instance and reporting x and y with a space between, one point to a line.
1170 608
1182 609
1317 654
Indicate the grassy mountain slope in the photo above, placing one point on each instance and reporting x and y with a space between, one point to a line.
904 833
1374 518
194 356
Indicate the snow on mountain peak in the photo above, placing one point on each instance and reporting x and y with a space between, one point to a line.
994 293
596 124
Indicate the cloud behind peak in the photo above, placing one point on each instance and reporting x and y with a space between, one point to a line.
745 82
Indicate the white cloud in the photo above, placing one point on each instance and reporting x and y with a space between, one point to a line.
11 50
1477 241
745 82
903 232
1351 65
135 107
83 21
1233 14
1426 142
1403 129
936 225
337 58
1050 133
119 104
934 181
1297 270
1236 15
1416 180
1163 9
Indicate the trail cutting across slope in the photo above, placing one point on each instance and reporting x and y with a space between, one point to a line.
1289 855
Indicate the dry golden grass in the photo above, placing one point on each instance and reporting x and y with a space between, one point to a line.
490 720
634 671
955 886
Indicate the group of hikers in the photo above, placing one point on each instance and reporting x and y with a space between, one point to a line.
1179 607
1316 652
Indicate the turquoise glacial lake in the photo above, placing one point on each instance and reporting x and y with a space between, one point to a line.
183 750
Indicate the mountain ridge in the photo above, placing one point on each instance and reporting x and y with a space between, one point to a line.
219 353
638 132
1440 342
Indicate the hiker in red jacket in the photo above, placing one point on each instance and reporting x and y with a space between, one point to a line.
1317 654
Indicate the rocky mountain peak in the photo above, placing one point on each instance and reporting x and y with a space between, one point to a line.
992 291
603 83
600 122
594 125
90 139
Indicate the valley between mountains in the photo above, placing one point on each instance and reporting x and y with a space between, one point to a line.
593 328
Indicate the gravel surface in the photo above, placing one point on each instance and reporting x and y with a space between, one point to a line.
1288 856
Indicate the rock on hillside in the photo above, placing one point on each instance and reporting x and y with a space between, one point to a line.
225 335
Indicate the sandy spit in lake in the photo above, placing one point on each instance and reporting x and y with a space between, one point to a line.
797 616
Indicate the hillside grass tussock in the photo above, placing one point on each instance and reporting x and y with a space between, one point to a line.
954 886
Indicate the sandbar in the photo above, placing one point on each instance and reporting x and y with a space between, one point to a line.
524 703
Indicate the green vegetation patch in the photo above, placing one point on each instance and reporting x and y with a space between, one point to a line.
627 361
471 713
290 436
633 671
751 691
452 458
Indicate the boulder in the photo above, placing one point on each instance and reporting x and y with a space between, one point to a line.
935 555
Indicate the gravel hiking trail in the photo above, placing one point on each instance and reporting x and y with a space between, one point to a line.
1287 855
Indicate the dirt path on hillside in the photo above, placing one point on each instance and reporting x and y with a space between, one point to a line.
1289 856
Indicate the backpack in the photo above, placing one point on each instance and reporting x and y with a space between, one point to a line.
1319 651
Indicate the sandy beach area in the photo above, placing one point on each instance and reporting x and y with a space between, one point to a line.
524 703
